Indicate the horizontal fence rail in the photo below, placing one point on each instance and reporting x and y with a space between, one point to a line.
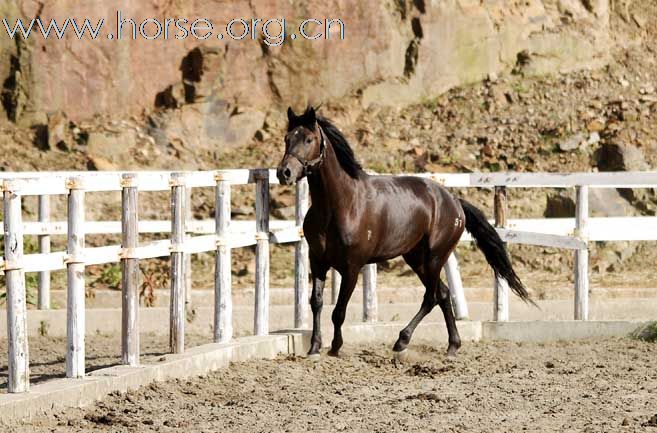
158 180
555 232
222 234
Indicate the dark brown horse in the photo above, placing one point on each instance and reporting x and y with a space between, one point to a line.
356 219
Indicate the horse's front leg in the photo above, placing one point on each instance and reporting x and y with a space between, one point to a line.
349 279
316 302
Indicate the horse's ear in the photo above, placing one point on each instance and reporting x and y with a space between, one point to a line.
290 114
312 118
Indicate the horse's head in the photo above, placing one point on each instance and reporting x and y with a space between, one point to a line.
304 147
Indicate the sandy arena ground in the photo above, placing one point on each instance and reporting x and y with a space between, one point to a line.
48 354
593 386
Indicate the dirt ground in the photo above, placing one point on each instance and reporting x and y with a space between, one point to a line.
48 354
593 386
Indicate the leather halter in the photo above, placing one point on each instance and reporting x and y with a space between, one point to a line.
309 165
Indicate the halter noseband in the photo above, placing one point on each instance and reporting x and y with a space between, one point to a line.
309 165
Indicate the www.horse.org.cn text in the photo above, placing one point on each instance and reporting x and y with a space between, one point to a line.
272 31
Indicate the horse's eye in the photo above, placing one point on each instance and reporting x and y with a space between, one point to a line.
309 140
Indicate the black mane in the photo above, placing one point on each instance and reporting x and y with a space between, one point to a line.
341 146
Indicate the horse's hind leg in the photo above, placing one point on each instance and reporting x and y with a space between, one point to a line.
428 269
445 302
437 293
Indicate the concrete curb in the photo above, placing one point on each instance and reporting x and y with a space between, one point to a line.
62 393
156 319
539 332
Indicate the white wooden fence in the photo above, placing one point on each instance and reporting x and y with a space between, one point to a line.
222 235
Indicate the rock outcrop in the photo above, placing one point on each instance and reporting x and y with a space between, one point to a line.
395 52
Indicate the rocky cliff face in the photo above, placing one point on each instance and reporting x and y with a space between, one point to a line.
216 93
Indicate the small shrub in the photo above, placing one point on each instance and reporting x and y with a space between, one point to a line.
31 284
31 288
646 332
110 276
43 328
31 280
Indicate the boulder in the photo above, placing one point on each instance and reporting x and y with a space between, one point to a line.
609 256
59 134
606 202
111 149
620 156
559 205
98 163
212 125
501 94
603 202
572 143
285 213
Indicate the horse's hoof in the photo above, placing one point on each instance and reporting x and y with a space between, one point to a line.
314 356
400 357
450 357
334 353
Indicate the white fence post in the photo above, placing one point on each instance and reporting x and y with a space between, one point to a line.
75 298
370 304
188 257
18 379
336 280
43 302
301 258
177 306
130 271
501 286
223 301
261 319
455 285
582 255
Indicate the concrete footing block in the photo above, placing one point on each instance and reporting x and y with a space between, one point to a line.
557 330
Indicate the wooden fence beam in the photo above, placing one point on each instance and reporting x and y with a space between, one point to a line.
370 303
455 285
501 286
18 379
75 296
177 306
43 302
336 280
582 255
130 272
301 258
223 301
188 257
261 319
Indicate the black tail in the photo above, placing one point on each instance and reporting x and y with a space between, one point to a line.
491 245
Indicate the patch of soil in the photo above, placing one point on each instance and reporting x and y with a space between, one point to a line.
602 385
48 354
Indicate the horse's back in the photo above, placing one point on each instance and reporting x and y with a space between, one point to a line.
425 190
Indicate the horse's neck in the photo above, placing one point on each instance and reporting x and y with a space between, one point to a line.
331 188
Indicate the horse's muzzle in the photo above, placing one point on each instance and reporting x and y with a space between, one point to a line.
284 175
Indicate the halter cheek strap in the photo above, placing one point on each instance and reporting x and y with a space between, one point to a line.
310 165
